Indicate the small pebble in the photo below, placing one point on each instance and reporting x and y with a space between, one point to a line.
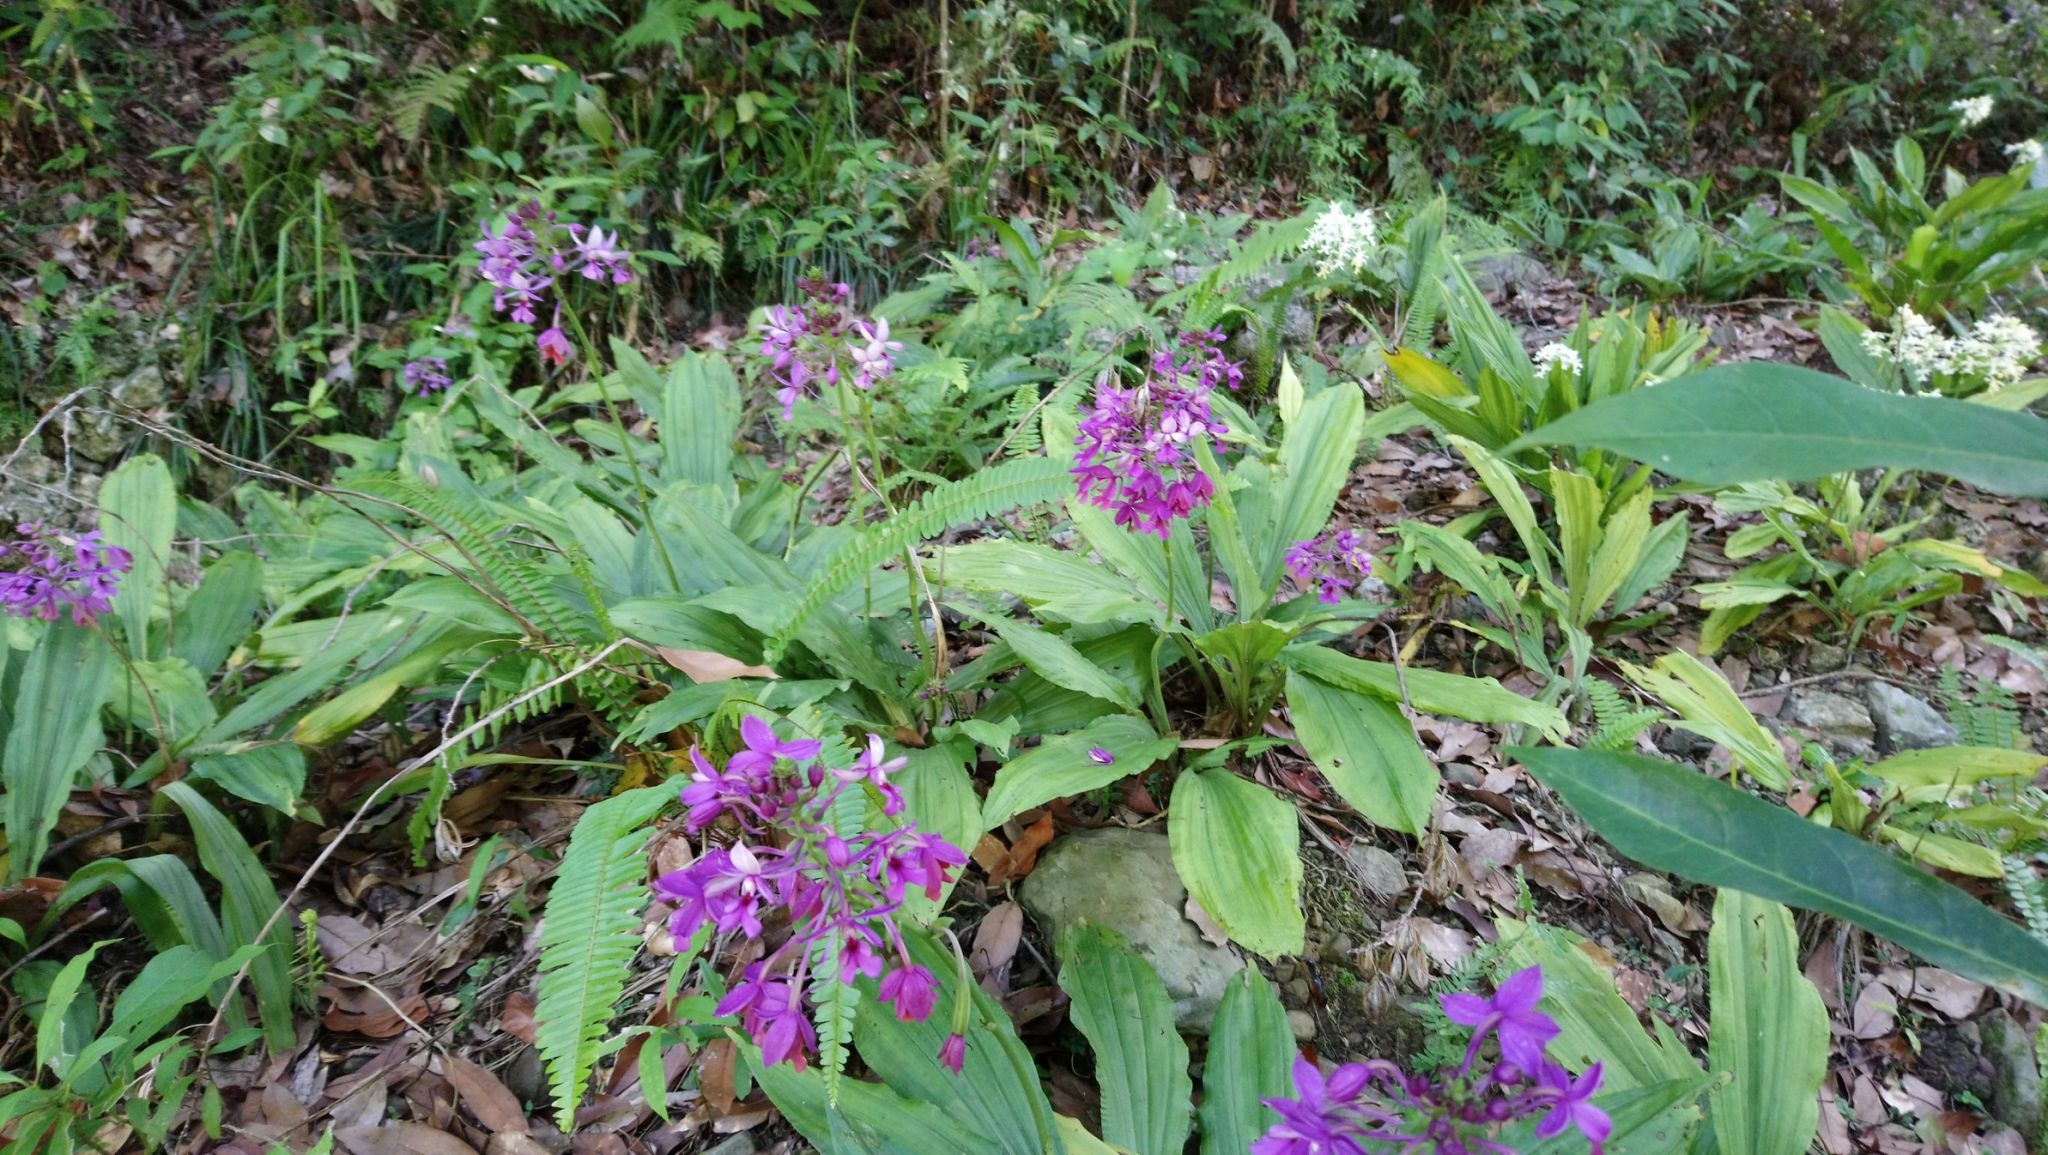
1302 1024
1337 952
1298 989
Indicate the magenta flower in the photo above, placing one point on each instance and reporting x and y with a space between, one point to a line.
1100 756
1307 1126
427 375
521 262
600 255
953 1053
1511 1014
554 344
1136 448
1333 562
821 342
1573 1106
792 862
913 990
53 574
871 361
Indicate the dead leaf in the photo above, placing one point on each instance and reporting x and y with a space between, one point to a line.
493 1105
1199 915
1023 853
400 1139
1950 995
517 1018
1491 849
996 941
365 1010
1447 946
715 1074
701 666
1654 892
1876 1013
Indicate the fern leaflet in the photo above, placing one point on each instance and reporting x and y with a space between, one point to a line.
1024 481
589 937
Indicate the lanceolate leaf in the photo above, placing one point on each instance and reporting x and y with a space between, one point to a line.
1315 458
1250 1054
54 728
1056 660
139 512
589 936
1675 819
871 1119
1596 1025
1141 1064
1065 765
1427 691
1236 846
1769 1030
247 901
1365 747
1760 421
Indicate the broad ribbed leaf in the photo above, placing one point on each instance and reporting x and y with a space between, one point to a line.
1061 585
247 902
1365 747
269 774
996 1094
1675 819
589 937
1768 1030
53 730
1428 691
699 418
1595 1025
1708 706
139 513
1141 1064
1238 850
1315 459
1061 766
215 619
1057 661
1656 1120
1251 1052
871 1119
1761 421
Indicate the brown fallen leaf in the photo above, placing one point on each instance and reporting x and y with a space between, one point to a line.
517 1018
701 666
1023 854
400 1139
486 1098
715 1075
996 941
1199 915
365 1010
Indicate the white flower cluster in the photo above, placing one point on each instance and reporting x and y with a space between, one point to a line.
1342 240
1554 355
1973 111
1998 349
2026 152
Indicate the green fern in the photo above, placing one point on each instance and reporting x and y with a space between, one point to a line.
1618 721
1022 420
833 1002
1987 716
430 88
588 939
2029 896
1024 481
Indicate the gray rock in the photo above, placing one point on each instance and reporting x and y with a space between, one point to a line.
99 433
1842 722
736 1145
1905 722
2016 1093
1124 880
1497 273
1379 871
1303 1025
1825 657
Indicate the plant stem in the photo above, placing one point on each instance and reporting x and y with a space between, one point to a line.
626 443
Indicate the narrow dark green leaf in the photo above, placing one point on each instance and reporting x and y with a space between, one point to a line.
1672 818
1251 1052
872 1119
54 729
215 619
247 901
1141 1064
1760 421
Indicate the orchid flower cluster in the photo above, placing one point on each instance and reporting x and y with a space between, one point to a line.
836 892
426 376
523 260
1137 446
810 345
1334 562
1377 1106
1997 349
57 573
1342 240
1558 355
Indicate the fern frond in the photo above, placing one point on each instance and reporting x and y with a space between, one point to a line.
997 489
833 1003
1025 434
1618 721
588 938
429 89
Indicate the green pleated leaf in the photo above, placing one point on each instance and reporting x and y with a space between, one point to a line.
1141 1064
870 1119
269 774
997 1093
1760 421
1429 691
1595 1025
217 617
1057 661
1367 750
938 798
1058 767
1315 459
1660 1119
1238 850
1251 1052
247 901
1768 1030
139 513
1062 585
54 727
1675 819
